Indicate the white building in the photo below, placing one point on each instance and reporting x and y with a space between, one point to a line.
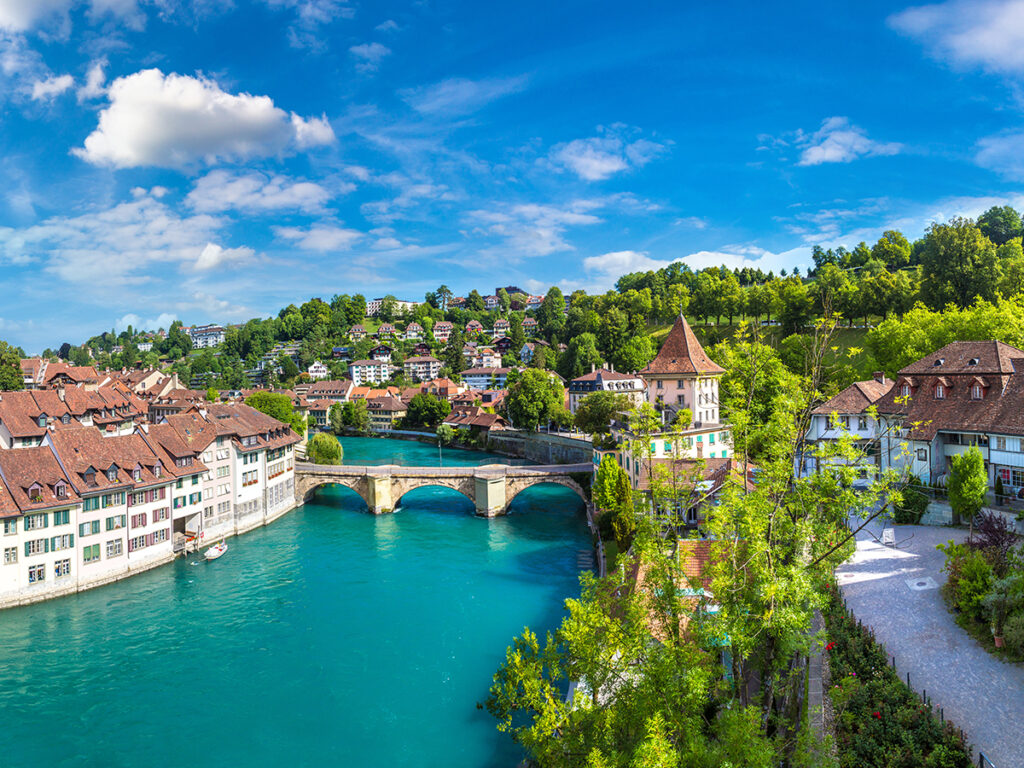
318 371
607 380
486 378
373 306
206 336
365 372
422 368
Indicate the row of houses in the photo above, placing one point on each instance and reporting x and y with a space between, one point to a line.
969 393
82 506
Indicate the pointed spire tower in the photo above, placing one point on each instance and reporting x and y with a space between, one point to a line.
683 376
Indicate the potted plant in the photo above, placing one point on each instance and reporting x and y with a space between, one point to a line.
999 602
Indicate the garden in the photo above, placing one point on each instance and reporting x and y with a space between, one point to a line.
985 585
879 720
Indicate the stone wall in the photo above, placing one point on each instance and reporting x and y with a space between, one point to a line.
541 448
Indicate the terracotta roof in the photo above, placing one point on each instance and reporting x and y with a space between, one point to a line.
85 448
23 468
387 404
682 353
856 398
993 357
193 429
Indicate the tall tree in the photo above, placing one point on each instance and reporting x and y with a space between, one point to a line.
595 412
892 249
1000 224
968 484
535 398
958 264
324 448
278 406
551 315
11 377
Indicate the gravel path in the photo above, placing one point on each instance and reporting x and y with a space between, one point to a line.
895 591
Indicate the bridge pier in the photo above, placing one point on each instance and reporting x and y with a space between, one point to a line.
379 492
489 496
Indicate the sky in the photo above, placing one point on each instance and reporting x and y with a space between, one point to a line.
216 160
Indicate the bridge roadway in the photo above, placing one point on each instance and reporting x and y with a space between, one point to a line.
491 487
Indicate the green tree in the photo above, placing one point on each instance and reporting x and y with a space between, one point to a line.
581 356
324 448
445 434
475 302
958 265
551 315
892 249
504 300
634 355
426 410
795 305
277 406
1011 265
212 395
1000 224
334 418
11 377
534 398
356 415
388 309
289 370
968 484
596 411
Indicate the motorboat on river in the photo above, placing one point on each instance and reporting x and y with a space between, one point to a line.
216 551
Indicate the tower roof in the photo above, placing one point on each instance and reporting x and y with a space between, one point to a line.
682 354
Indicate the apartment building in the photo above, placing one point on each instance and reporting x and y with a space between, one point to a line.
424 368
630 385
204 336
365 372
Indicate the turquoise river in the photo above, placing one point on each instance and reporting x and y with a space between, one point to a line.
328 638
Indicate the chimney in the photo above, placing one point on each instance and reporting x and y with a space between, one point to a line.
879 377
60 392
593 367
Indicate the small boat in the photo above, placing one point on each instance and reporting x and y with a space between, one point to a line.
215 551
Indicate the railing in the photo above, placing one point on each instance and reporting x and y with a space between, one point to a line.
395 470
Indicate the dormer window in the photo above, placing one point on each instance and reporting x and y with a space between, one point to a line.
41 421
137 474
977 392
904 390
61 490
939 361
112 473
35 492
65 419
940 391
157 469
90 476
973 361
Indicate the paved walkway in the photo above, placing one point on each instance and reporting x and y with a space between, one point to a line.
895 591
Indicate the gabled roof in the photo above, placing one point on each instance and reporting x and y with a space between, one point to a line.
682 354
856 398
993 358
26 467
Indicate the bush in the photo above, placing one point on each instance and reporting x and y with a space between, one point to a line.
1013 633
912 505
974 584
879 720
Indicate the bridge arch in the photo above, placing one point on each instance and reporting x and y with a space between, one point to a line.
516 485
306 486
402 487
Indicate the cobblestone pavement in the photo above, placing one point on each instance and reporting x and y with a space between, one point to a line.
895 591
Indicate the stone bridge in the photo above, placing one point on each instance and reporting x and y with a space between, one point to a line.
491 488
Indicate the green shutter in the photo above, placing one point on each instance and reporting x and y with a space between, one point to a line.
72 544
26 549
46 520
46 545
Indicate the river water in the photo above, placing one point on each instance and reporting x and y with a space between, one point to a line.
329 638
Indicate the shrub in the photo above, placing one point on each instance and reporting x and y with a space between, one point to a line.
996 539
1013 633
912 505
974 584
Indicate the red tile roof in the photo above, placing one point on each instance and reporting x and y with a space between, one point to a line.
26 467
682 354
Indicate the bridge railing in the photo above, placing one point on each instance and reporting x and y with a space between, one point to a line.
344 470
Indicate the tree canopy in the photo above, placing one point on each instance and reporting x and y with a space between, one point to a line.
278 406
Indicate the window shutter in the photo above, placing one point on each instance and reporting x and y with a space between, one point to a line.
72 540
46 545
46 520
53 543
27 551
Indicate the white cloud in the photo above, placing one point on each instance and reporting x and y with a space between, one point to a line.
139 322
175 121
320 237
531 229
94 82
254 192
837 141
213 256
458 96
981 33
388 26
369 56
1002 154
108 249
23 15
310 15
51 88
599 157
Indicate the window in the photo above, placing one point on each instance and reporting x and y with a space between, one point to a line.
35 522
660 384
161 514
976 392
862 423
139 520
114 548
60 490
65 419
195 498
922 454
62 517
10 527
195 479
57 543
179 483
92 504
207 457
157 469
61 568
224 507
223 489
251 478
91 554
207 513
112 474
41 421
136 474
179 502
940 391
904 390
10 555
36 547
36 573
116 522
1000 443
87 529
1017 477
711 441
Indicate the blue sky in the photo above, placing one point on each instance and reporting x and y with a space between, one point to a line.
213 160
